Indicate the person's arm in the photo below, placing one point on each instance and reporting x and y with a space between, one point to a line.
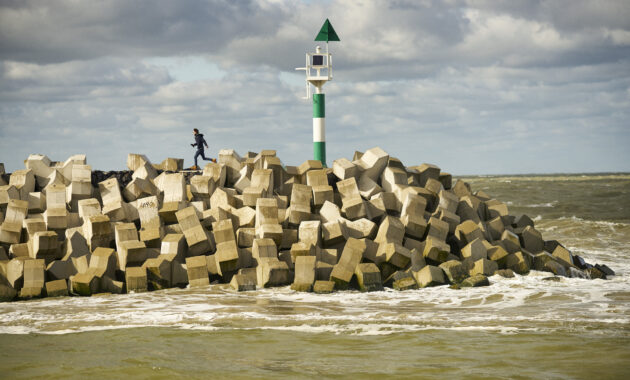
205 143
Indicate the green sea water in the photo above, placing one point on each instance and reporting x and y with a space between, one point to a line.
519 328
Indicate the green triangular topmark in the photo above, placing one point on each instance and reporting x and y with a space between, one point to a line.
327 33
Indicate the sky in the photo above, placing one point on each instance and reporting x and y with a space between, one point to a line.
472 86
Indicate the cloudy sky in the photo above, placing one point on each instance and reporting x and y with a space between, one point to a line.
475 87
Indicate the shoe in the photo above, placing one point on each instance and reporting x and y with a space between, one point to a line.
194 167
213 160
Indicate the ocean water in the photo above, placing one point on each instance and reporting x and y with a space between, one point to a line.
519 328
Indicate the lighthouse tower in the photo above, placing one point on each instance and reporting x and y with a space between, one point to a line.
318 72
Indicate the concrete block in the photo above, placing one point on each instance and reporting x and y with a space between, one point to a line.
318 181
435 250
332 233
455 271
105 261
136 279
329 212
245 217
24 182
344 169
391 230
475 281
242 283
327 255
245 237
475 250
323 270
232 162
80 263
510 241
88 207
304 273
373 162
518 263
197 270
272 273
323 287
468 231
40 166
199 243
267 225
11 228
112 199
448 201
564 255
36 203
301 249
556 268
85 284
405 283
223 231
227 259
261 186
532 240
375 209
124 232
430 276
437 229
20 250
57 288
359 229
300 208
172 164
44 245
353 206
394 254
60 269
33 286
368 277
131 253
484 266
310 232
264 249
350 257
426 172
499 255
97 231
7 193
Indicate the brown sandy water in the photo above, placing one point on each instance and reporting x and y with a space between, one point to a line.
521 328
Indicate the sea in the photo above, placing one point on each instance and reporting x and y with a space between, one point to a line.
526 327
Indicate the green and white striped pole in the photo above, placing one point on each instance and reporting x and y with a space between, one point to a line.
319 127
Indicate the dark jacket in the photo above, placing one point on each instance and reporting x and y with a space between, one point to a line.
200 141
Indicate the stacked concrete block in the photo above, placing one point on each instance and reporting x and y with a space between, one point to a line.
136 279
80 186
381 224
11 228
304 273
412 216
57 288
44 245
322 191
112 200
227 253
368 277
24 182
350 257
197 238
267 224
353 206
261 186
175 198
33 278
430 276
300 207
151 230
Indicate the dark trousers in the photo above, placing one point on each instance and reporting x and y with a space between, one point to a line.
203 156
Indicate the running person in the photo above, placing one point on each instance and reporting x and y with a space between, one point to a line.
200 142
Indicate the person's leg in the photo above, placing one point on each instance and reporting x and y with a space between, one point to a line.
199 152
203 156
